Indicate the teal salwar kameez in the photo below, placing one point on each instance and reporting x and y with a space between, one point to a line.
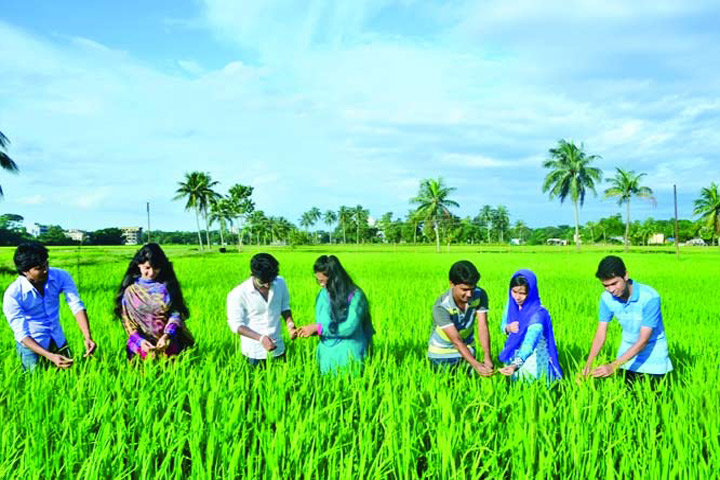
348 345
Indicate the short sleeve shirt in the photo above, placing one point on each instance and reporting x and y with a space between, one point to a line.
642 309
446 313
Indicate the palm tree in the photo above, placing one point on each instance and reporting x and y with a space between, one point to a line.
242 206
330 217
223 212
6 163
256 222
197 189
571 174
708 206
434 204
306 221
501 221
485 217
360 217
520 230
344 217
625 185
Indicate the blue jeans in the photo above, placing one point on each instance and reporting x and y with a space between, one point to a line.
30 359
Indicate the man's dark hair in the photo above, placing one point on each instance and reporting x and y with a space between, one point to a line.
464 272
264 267
29 255
610 267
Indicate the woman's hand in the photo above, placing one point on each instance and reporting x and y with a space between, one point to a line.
509 369
512 327
146 346
163 343
308 330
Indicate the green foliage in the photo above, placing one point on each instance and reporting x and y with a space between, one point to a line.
207 415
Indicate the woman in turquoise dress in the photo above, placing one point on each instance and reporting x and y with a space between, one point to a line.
342 318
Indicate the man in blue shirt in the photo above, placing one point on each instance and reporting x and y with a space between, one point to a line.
32 308
643 350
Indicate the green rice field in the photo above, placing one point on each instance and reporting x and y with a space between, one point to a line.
210 416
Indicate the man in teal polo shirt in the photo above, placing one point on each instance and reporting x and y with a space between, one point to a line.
643 350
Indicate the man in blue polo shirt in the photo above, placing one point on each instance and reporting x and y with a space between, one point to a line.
643 350
454 315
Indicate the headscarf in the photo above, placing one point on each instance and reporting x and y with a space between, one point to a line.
532 312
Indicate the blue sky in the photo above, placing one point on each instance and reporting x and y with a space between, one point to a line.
108 104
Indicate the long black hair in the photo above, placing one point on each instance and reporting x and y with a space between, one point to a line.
339 287
154 254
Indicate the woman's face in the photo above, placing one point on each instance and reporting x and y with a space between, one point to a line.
519 294
148 272
321 279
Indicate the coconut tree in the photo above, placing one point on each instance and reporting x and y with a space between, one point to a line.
571 174
222 211
501 221
708 207
198 192
360 217
623 186
434 204
242 206
485 217
344 217
6 163
330 217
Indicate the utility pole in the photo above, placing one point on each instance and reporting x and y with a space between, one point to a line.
148 215
677 245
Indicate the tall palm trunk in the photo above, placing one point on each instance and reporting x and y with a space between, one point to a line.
207 228
437 236
627 227
197 221
344 237
577 226
222 237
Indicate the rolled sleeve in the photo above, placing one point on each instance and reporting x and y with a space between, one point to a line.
72 297
15 317
285 300
651 315
236 312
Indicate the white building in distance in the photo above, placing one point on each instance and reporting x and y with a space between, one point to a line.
36 229
74 234
132 235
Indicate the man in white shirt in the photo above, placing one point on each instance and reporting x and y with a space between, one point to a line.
254 309
32 308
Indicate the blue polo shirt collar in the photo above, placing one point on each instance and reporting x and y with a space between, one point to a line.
635 295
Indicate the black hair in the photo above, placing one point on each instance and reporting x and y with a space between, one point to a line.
610 267
339 287
264 267
29 255
464 272
154 254
519 281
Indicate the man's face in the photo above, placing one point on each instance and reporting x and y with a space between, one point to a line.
617 286
37 274
462 293
260 285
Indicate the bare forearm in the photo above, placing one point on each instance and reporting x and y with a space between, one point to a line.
630 353
83 323
597 345
464 351
30 343
248 332
484 339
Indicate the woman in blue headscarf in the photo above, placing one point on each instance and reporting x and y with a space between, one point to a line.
530 351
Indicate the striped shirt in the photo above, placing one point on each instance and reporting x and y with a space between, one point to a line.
642 309
445 314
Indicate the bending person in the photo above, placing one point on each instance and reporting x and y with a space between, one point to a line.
530 351
342 317
151 306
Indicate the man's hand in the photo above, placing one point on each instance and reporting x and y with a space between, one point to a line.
60 361
604 370
89 347
586 371
512 327
267 343
292 331
488 364
483 370
508 370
